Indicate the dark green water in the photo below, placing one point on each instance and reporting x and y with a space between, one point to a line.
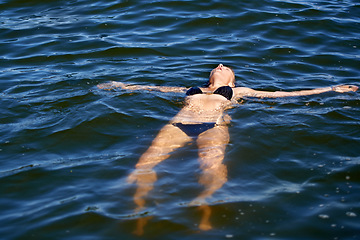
66 147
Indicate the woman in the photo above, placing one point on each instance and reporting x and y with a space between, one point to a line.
202 119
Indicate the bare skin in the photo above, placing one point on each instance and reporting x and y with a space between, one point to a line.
199 108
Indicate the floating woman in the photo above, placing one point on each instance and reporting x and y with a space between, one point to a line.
204 120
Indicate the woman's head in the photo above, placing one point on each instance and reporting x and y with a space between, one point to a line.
222 76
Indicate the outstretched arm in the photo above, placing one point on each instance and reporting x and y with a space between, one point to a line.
248 92
114 85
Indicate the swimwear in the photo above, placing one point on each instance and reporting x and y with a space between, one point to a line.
194 130
193 91
225 91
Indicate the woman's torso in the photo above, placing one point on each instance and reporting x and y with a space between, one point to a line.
203 108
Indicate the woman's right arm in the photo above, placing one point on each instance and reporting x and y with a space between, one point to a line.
114 85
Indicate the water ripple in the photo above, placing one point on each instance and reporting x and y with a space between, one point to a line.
67 147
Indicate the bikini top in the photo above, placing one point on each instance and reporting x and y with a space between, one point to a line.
225 91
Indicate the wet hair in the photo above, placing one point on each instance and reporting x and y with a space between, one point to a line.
234 79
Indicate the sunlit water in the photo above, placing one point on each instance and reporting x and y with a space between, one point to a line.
66 147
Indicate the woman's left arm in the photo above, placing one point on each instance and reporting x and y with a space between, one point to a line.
114 85
248 92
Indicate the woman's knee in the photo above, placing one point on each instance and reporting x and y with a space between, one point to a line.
214 176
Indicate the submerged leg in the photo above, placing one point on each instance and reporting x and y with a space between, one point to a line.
205 224
169 139
212 145
140 224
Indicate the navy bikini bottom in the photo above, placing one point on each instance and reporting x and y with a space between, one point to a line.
194 130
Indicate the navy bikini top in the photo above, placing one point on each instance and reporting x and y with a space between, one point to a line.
225 91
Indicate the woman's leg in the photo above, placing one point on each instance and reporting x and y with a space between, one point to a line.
212 145
168 139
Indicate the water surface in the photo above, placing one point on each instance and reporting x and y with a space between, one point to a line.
66 147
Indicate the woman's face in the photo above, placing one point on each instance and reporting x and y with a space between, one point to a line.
223 75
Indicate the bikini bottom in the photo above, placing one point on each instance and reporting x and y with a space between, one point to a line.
194 130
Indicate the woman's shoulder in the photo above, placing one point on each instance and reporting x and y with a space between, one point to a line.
242 91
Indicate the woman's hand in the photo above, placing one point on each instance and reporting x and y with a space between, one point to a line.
345 88
111 85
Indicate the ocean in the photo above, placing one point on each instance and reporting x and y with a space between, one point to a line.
67 147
